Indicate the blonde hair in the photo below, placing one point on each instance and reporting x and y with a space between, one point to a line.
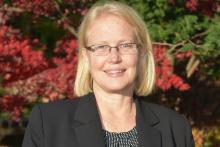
146 71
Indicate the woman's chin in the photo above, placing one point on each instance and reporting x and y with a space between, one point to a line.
117 88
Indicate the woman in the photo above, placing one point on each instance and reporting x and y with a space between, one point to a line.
115 68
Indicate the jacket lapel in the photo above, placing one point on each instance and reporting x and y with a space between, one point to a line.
88 129
87 124
148 136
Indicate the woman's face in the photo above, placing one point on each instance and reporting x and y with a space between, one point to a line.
114 72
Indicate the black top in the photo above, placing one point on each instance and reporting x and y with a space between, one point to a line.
76 123
122 139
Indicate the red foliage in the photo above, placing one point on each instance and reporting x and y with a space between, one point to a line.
183 55
207 7
29 73
48 7
18 59
13 105
192 5
59 81
38 7
3 14
55 82
26 73
164 69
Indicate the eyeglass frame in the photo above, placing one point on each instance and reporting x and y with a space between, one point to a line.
110 47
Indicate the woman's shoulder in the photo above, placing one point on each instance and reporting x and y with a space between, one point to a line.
59 104
170 123
59 107
164 114
163 110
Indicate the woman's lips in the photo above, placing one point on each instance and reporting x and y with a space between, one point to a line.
115 72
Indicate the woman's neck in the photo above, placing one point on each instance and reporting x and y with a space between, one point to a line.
117 112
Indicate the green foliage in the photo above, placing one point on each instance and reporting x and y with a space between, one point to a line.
211 41
152 11
187 47
183 29
212 138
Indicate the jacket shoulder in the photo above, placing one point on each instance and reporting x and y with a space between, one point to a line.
61 105
163 113
171 123
58 110
167 118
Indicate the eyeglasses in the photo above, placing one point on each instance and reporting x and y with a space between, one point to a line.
124 48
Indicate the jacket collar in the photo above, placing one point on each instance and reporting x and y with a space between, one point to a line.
87 124
148 136
88 129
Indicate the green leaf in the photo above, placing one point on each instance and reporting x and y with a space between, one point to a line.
187 47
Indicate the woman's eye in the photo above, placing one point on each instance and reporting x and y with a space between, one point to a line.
101 47
126 45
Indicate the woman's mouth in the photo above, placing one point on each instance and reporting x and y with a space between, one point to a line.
115 72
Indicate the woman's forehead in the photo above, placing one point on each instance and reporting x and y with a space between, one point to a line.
110 27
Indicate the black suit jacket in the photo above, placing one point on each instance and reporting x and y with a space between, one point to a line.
76 123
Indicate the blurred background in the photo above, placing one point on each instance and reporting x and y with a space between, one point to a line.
38 48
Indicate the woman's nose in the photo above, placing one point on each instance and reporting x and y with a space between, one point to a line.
115 55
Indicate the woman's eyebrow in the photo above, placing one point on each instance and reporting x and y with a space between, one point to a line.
99 43
105 42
